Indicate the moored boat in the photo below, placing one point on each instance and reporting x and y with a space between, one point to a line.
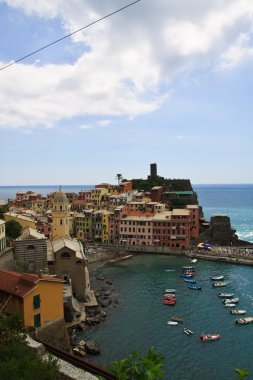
172 323
190 280
226 295
231 300
219 284
209 337
188 331
244 321
169 290
170 302
188 268
194 260
176 318
238 312
217 278
186 275
229 304
195 287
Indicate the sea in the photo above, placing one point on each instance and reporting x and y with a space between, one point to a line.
139 320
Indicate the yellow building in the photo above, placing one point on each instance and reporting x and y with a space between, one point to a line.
83 225
97 194
38 298
2 235
60 216
24 221
105 226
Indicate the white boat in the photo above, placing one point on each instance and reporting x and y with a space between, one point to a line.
229 305
219 284
226 295
217 278
172 323
194 261
169 290
238 312
188 331
231 300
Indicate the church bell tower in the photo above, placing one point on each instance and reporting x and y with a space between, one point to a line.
60 216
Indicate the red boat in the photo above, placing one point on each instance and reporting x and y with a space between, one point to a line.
170 302
169 297
209 337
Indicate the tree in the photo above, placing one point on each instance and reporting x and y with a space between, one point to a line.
18 361
13 229
3 209
139 368
242 373
119 177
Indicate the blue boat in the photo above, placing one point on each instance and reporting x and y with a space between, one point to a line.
186 275
191 280
195 287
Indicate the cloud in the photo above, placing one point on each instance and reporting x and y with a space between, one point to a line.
86 126
131 59
104 123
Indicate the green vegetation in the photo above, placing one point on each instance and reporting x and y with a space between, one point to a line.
3 209
18 361
242 373
139 368
13 229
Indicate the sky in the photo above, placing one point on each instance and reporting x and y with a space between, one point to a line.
166 81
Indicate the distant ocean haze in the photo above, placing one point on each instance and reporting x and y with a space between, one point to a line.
235 201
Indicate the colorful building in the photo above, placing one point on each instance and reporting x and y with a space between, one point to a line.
2 235
38 298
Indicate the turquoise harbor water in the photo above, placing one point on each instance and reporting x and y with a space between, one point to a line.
140 320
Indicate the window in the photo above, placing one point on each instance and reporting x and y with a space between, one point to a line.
36 301
37 322
65 255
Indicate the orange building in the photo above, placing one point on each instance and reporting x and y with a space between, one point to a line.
38 298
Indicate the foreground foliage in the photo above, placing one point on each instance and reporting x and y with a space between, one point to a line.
137 367
18 361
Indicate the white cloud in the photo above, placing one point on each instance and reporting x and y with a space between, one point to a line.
130 56
86 126
104 123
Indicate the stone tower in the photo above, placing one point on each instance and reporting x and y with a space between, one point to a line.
60 216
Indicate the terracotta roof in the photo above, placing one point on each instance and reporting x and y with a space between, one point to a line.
139 213
21 284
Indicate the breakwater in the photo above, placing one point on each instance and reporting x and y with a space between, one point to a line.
235 255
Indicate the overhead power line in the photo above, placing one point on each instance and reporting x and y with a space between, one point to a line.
70 34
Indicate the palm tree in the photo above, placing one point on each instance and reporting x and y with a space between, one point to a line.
119 177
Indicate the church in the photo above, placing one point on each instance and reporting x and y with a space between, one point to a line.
65 256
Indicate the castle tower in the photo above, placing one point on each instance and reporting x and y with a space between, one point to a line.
60 216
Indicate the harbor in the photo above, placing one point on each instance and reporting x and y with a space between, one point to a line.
140 319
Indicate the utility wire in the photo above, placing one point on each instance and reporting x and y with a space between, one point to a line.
70 34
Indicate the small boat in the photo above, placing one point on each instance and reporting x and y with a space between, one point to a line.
186 275
195 287
188 268
172 323
170 270
217 278
229 305
244 321
231 300
226 295
169 297
176 318
194 260
188 332
219 284
170 302
169 290
191 280
209 337
238 312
